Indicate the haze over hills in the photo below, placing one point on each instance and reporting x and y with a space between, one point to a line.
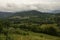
5 14
25 13
22 13
56 11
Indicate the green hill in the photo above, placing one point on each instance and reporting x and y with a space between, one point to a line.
30 25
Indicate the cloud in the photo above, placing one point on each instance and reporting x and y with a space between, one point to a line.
22 5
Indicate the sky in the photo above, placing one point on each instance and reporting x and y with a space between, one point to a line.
24 5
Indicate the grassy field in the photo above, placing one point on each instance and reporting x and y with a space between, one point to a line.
27 35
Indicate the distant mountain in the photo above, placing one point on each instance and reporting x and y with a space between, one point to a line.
25 13
56 11
30 13
5 14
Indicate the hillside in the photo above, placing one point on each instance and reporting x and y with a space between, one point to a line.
5 14
35 16
28 36
30 13
29 25
26 13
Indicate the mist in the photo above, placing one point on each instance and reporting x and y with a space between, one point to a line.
24 5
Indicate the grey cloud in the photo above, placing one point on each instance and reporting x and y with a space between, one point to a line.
44 6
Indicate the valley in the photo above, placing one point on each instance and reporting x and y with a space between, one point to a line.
30 25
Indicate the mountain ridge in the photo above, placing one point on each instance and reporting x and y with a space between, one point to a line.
25 13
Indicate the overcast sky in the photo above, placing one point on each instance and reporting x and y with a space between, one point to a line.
20 5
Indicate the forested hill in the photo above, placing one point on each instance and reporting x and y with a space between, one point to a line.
5 14
30 13
26 13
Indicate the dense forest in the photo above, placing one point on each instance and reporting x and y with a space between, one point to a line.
30 25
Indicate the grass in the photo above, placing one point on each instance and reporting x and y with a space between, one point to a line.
30 36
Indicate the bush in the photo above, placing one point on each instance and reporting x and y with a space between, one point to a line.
49 29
